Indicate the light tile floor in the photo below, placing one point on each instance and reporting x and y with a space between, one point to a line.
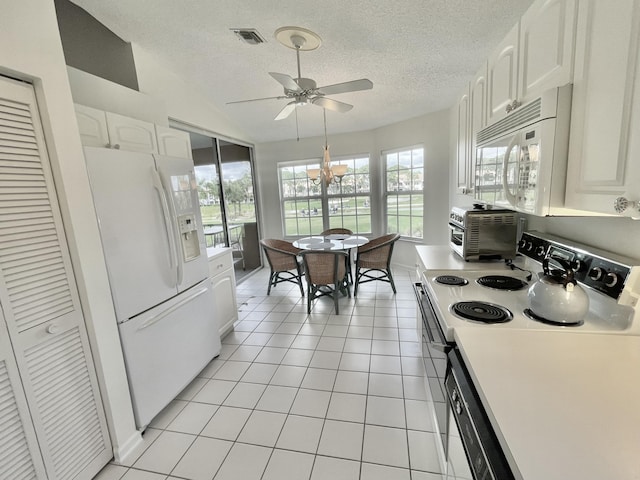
302 397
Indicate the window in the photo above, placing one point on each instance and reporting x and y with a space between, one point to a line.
404 176
308 209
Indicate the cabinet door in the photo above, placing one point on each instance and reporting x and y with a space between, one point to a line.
127 133
172 142
478 119
599 168
40 301
92 124
223 282
19 455
463 151
502 76
547 32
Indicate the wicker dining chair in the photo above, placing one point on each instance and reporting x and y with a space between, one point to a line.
373 261
342 231
326 275
283 260
337 231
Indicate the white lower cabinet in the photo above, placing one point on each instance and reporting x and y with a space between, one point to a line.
223 282
51 416
605 118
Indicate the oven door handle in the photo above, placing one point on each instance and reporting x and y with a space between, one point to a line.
443 347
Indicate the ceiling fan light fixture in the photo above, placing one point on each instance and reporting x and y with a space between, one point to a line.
249 35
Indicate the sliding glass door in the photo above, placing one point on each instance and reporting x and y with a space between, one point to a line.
226 187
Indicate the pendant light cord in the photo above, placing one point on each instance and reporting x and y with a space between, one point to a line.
324 114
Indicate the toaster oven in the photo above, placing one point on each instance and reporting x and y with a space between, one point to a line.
481 234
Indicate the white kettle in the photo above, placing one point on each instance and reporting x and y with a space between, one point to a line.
557 297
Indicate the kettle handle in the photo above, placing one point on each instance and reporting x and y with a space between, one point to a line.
568 271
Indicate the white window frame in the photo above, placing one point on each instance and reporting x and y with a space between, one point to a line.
409 191
324 196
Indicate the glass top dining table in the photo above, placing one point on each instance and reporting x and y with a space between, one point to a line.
330 242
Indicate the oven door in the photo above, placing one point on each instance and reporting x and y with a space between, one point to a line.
434 355
456 238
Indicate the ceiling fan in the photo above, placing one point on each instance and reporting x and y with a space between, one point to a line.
302 91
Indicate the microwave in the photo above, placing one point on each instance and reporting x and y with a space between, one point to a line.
483 234
521 160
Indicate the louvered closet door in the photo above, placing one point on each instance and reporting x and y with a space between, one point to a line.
19 455
40 300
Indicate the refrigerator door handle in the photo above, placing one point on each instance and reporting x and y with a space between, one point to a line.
156 318
174 213
157 183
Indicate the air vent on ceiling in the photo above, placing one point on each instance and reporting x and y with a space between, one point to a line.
249 35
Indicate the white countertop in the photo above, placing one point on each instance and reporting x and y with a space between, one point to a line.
213 252
564 406
441 257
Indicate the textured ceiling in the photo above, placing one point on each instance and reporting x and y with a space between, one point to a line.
417 53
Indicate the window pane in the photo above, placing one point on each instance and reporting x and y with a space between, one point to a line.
416 227
417 179
417 204
362 183
392 224
392 161
290 209
405 181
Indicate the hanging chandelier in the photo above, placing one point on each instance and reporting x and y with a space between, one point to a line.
326 173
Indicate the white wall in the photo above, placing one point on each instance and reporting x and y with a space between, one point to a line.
31 50
430 130
183 101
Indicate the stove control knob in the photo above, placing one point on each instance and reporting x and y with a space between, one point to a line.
540 251
529 246
577 265
522 243
611 279
596 273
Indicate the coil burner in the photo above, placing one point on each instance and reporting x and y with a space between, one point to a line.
502 282
452 280
481 312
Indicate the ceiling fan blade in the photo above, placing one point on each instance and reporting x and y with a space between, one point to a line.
352 86
258 99
330 104
286 81
286 111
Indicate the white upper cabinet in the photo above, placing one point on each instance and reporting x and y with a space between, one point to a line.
463 145
471 116
547 32
537 54
175 143
131 134
110 130
478 116
604 144
92 124
502 76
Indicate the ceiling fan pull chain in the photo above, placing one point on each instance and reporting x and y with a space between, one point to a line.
297 131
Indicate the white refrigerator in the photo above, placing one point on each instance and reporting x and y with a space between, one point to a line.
151 229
